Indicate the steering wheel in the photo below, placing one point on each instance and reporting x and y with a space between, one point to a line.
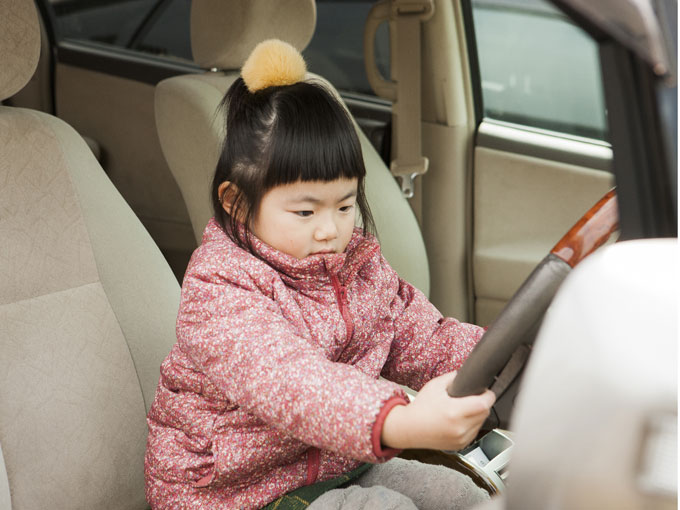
499 357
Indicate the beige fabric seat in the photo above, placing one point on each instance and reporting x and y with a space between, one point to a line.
223 33
87 309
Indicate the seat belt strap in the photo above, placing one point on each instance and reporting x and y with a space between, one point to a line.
409 161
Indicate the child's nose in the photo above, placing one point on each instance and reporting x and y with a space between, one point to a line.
326 230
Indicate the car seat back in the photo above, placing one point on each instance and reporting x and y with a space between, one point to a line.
87 309
223 33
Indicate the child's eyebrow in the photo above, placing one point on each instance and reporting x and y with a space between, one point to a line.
352 193
315 200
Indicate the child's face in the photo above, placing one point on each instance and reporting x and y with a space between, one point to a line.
308 218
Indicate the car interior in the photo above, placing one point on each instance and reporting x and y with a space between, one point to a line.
494 199
105 164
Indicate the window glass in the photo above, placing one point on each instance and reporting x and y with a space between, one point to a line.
166 33
112 22
161 27
537 68
336 51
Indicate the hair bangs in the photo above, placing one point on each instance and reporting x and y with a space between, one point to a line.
312 139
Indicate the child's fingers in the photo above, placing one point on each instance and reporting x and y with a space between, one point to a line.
472 405
488 399
444 380
477 404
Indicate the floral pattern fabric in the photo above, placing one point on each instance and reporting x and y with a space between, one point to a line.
274 383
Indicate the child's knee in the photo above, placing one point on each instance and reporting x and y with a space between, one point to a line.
355 497
428 486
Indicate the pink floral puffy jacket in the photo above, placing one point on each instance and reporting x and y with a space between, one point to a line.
273 382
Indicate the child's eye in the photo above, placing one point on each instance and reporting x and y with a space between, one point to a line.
346 208
304 214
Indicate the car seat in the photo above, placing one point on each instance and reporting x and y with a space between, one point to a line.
223 33
87 308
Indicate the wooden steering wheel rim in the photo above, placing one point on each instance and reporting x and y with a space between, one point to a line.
590 232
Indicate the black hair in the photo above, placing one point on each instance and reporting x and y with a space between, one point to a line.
282 135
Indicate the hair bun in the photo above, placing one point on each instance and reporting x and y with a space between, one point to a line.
273 63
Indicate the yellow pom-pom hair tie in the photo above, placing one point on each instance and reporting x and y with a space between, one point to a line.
273 63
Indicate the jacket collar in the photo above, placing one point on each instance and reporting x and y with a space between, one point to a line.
315 270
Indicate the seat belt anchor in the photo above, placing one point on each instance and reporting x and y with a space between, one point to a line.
424 9
407 175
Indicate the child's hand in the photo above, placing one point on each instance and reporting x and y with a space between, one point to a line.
436 421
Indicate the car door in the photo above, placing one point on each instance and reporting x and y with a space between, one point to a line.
108 57
540 157
515 130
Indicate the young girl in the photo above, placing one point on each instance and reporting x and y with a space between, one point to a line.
289 315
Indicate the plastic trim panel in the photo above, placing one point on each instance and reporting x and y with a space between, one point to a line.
543 144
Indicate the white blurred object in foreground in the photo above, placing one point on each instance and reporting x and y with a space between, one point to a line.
596 418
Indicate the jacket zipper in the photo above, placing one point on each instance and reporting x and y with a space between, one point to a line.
341 295
313 454
312 465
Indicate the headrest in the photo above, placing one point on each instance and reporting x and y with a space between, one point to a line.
19 45
224 32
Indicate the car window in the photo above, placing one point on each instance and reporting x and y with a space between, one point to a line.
518 43
336 50
111 22
161 28
166 33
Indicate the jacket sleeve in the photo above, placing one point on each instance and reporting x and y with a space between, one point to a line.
238 337
425 344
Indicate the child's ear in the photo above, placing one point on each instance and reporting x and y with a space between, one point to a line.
227 193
